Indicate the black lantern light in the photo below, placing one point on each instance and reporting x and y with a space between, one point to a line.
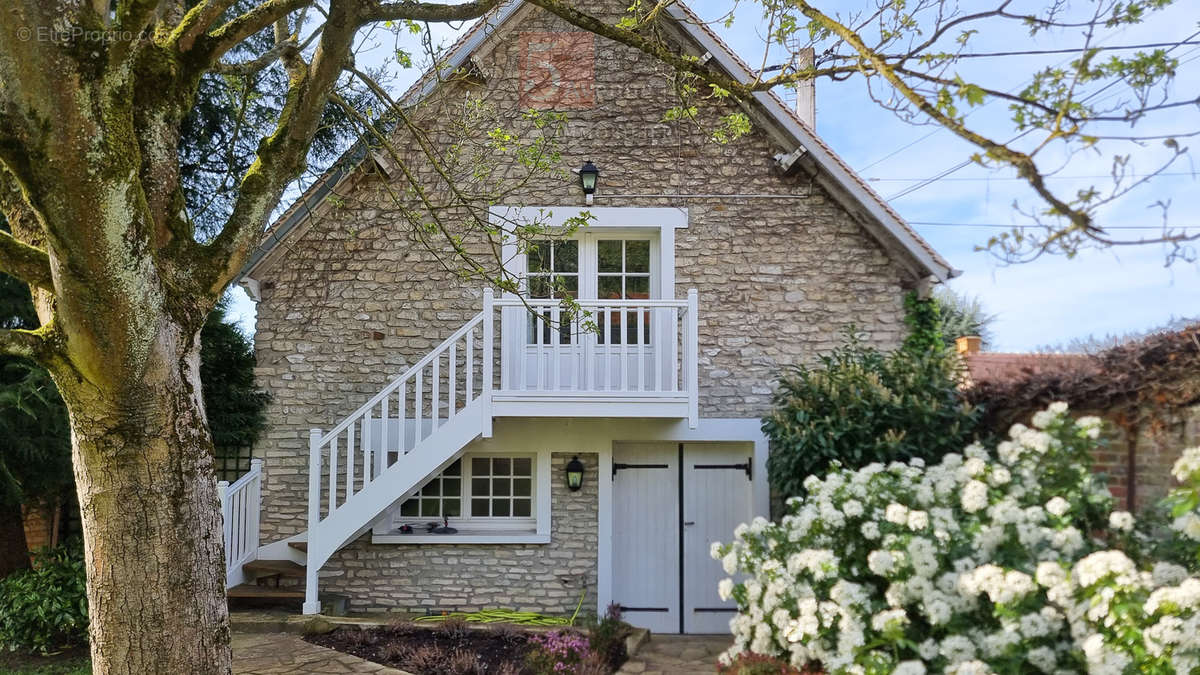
589 175
574 474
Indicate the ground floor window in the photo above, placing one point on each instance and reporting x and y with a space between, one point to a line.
477 492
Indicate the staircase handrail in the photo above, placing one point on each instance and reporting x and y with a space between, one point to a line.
407 375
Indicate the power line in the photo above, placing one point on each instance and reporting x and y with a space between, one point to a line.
990 101
894 179
1036 52
941 176
1009 227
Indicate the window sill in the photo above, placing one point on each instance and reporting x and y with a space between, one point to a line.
464 537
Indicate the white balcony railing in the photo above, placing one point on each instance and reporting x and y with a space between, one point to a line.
629 348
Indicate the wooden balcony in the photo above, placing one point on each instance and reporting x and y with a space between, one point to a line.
602 358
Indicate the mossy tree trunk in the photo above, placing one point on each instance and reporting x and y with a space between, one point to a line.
93 96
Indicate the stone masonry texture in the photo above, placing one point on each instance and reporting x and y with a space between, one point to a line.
546 578
363 289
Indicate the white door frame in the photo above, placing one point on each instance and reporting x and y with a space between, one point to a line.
708 430
632 219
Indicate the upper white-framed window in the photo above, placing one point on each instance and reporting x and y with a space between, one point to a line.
655 224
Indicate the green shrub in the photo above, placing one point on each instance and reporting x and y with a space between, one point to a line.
45 608
859 405
607 637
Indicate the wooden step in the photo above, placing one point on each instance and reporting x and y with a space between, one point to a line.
299 545
266 568
251 591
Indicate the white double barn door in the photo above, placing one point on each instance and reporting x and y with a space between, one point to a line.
671 501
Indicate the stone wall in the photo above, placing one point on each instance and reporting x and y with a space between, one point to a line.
360 292
546 578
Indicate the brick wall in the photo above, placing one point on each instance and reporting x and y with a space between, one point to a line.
1156 446
39 526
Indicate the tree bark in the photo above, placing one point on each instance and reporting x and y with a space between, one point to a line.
151 522
14 551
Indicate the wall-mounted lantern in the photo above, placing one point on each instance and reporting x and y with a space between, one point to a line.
574 474
589 176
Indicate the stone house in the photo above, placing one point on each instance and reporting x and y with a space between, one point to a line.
437 446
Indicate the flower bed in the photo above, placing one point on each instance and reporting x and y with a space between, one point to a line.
1011 562
451 647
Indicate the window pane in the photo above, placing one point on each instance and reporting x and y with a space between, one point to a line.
566 256
609 288
609 255
500 487
637 288
500 466
479 508
410 508
539 287
480 466
521 508
500 508
567 286
522 466
454 469
637 256
451 487
539 257
453 508
480 487
431 507
522 487
433 489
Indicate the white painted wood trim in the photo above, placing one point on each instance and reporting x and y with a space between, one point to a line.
460 539
605 216
544 488
604 519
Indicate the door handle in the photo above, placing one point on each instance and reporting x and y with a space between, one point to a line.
689 522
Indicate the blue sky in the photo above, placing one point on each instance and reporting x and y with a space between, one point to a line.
1045 302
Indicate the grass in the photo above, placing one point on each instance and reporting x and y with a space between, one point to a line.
71 662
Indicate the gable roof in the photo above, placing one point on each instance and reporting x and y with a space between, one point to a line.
832 172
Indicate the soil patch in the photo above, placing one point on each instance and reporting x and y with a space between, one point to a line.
445 649
74 661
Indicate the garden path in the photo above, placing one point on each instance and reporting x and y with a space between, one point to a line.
677 655
280 653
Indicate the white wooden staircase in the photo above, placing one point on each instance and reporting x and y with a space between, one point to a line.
422 421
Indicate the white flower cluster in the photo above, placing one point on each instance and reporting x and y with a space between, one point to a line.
976 564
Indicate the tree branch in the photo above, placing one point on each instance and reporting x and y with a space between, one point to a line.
27 263
629 38
281 156
30 344
1023 163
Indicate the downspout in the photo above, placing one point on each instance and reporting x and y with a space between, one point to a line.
1131 468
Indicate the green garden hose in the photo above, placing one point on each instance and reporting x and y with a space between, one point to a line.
509 616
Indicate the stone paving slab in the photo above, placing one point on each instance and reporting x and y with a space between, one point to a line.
678 655
280 653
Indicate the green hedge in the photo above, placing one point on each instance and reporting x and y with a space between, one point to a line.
859 405
45 608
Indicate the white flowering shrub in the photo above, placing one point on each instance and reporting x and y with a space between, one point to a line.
982 563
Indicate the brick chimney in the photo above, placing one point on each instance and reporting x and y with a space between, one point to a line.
968 344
